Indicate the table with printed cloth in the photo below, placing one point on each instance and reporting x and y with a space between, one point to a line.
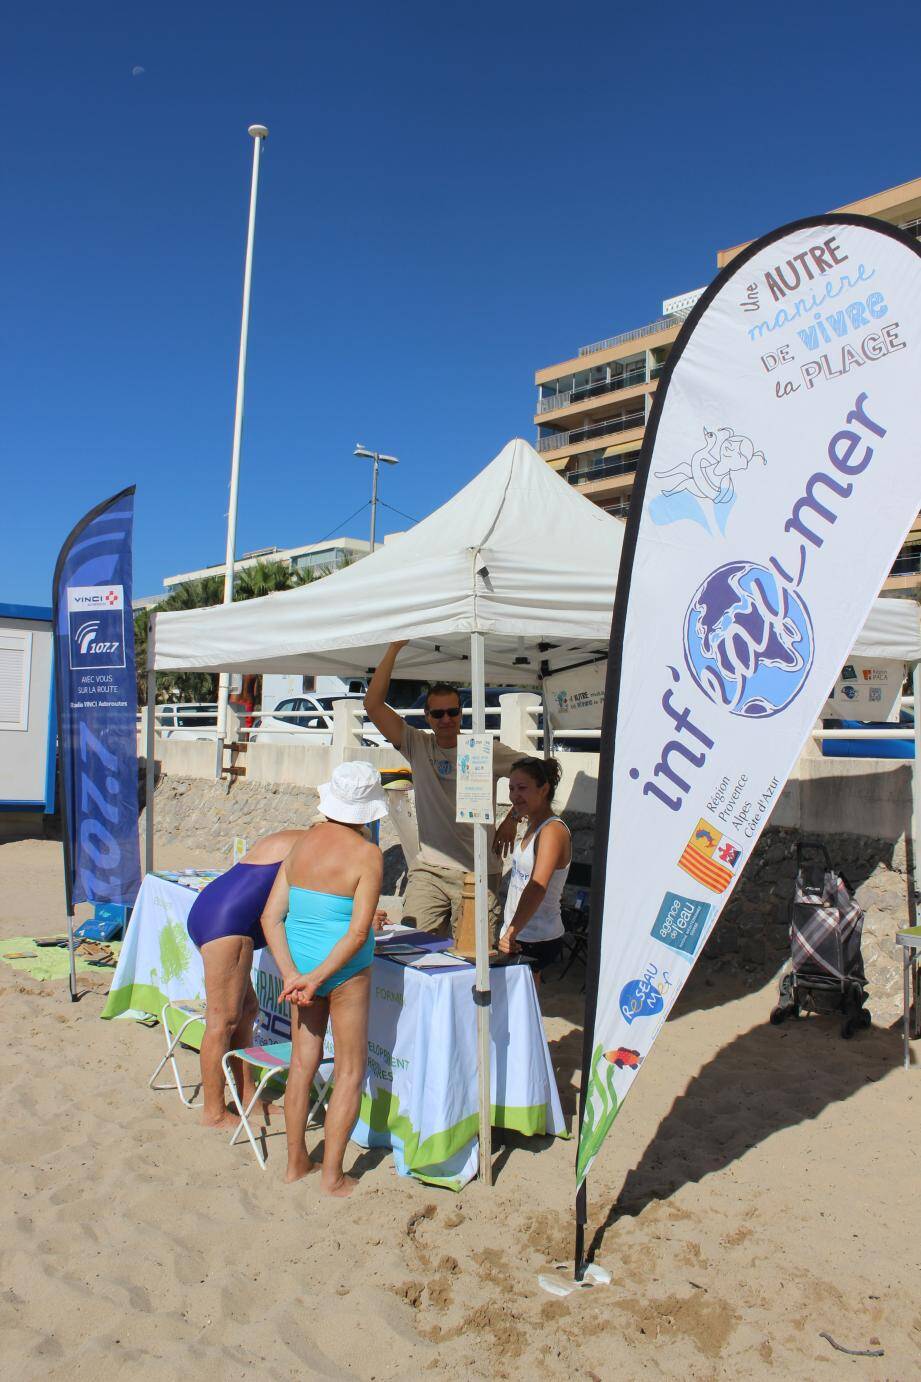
420 1092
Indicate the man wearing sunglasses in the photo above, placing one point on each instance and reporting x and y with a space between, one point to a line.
434 887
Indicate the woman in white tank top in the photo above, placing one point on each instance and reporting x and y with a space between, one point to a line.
533 924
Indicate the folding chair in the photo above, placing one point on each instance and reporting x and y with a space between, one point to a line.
272 1059
575 918
191 1010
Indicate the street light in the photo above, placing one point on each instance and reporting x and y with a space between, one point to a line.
376 457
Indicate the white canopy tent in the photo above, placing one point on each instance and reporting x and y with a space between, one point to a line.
511 579
518 556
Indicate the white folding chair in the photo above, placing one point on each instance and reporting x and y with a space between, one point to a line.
273 1060
190 1010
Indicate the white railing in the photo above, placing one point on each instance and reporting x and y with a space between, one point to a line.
893 731
660 324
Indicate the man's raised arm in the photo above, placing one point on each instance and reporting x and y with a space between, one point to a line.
379 712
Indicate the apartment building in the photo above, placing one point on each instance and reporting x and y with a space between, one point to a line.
592 409
323 556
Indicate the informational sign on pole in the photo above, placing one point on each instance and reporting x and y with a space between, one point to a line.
779 476
474 779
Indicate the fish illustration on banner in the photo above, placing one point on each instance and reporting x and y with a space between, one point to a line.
779 475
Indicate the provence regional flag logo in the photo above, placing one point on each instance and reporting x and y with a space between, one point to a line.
711 858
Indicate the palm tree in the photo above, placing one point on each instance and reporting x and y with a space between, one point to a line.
208 590
262 578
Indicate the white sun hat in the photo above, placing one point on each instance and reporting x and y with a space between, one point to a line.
353 795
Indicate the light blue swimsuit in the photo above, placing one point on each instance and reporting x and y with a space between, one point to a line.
314 924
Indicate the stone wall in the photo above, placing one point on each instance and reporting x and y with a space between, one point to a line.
207 815
751 939
750 942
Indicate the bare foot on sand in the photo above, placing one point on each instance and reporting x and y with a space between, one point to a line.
299 1169
341 1187
225 1122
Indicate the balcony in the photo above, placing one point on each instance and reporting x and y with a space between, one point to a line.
628 380
609 427
617 465
907 563
638 332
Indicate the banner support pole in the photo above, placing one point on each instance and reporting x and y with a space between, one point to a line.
581 1217
150 767
65 838
481 899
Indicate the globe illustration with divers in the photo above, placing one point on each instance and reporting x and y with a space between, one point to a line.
748 640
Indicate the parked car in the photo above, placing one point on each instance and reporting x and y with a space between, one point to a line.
415 715
301 714
194 721
562 742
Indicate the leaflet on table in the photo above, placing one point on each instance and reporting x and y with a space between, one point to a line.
474 779
439 961
193 879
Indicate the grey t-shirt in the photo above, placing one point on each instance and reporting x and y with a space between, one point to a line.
443 840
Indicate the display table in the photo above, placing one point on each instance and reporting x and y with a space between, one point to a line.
420 1094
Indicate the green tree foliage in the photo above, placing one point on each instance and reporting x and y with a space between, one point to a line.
263 578
250 583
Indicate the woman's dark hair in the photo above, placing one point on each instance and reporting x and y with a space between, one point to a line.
546 772
441 688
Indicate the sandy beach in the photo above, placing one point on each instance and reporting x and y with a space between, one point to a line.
759 1188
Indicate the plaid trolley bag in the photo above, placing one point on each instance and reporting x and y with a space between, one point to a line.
827 973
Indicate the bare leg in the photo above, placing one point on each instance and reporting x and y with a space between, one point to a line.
227 963
242 1037
349 1007
308 1028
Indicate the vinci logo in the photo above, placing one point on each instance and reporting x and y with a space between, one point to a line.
96 615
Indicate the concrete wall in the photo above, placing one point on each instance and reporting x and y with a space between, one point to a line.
847 796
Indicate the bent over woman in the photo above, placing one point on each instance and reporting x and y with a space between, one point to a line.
224 925
318 927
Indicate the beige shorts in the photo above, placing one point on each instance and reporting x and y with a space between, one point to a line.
434 897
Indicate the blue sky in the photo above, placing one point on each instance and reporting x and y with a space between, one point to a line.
451 197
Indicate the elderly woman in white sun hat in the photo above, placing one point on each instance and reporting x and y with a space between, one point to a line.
317 923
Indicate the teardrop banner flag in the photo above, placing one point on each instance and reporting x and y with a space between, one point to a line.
780 472
96 694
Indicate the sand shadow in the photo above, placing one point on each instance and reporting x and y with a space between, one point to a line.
766 1080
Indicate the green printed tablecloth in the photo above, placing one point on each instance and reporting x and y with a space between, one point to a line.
420 1094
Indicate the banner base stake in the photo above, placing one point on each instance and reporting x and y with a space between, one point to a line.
566 1285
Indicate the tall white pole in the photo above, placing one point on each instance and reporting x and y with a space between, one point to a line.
150 749
258 133
481 992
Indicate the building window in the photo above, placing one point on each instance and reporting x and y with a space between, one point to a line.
15 670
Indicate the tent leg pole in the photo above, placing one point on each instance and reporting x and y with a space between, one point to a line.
547 737
149 771
916 772
481 991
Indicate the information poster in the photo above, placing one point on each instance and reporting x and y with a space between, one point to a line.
870 691
474 779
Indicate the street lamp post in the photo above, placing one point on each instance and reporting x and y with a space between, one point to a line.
258 134
376 457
